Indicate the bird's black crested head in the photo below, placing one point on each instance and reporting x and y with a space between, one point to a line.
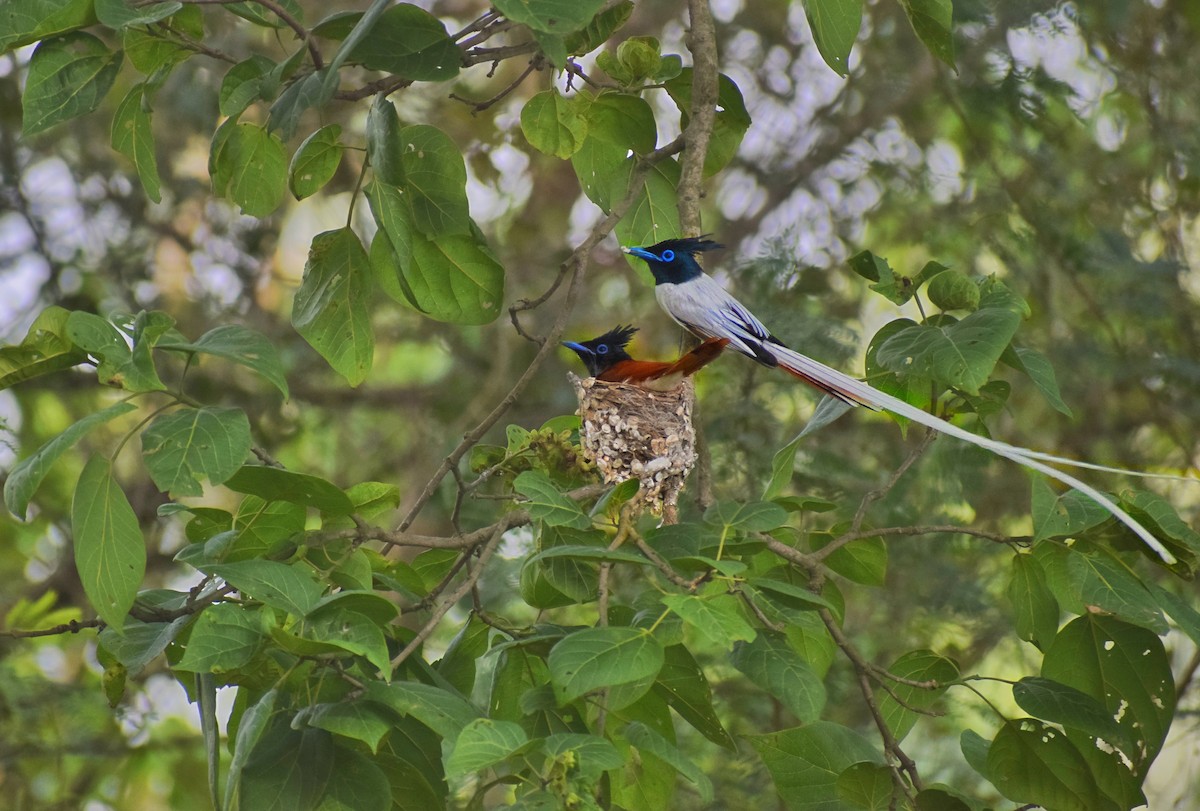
600 353
673 261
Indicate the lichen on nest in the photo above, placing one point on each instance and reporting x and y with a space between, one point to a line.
630 432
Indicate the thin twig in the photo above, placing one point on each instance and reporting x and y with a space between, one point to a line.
758 612
660 564
480 106
875 495
443 608
72 627
862 670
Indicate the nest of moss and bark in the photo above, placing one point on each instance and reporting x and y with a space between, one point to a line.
630 432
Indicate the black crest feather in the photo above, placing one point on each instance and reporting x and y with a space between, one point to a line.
688 245
618 336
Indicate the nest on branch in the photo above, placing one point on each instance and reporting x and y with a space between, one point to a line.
634 433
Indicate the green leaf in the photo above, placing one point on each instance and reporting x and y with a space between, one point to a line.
592 754
350 631
155 55
277 484
1125 668
1034 607
1062 516
133 138
250 169
452 278
600 29
25 21
192 444
484 743
792 596
312 91
110 552
932 20
887 283
358 719
356 783
547 504
551 16
288 769
435 178
1180 610
27 475
805 762
975 750
753 516
331 308
953 290
602 657
682 684
1155 511
654 215
241 345
263 16
384 144
68 76
132 370
866 785
770 663
1107 583
863 561
582 552
1051 701
370 604
647 740
224 638
122 13
249 732
1037 367
245 83
617 123
718 619
731 121
46 348
554 124
919 666
272 583
942 798
406 41
835 25
315 162
1032 762
442 711
961 355
138 643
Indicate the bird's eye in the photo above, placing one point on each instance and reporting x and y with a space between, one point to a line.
668 256
602 349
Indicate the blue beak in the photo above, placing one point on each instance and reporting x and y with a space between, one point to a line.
640 253
580 348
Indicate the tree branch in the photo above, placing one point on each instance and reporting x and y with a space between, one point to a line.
702 42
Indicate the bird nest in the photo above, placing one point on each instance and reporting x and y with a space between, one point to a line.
634 433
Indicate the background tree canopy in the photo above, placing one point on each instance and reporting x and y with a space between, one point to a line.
288 433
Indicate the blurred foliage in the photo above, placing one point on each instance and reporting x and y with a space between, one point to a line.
1058 158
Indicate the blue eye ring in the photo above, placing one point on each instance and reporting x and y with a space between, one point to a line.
668 256
602 349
